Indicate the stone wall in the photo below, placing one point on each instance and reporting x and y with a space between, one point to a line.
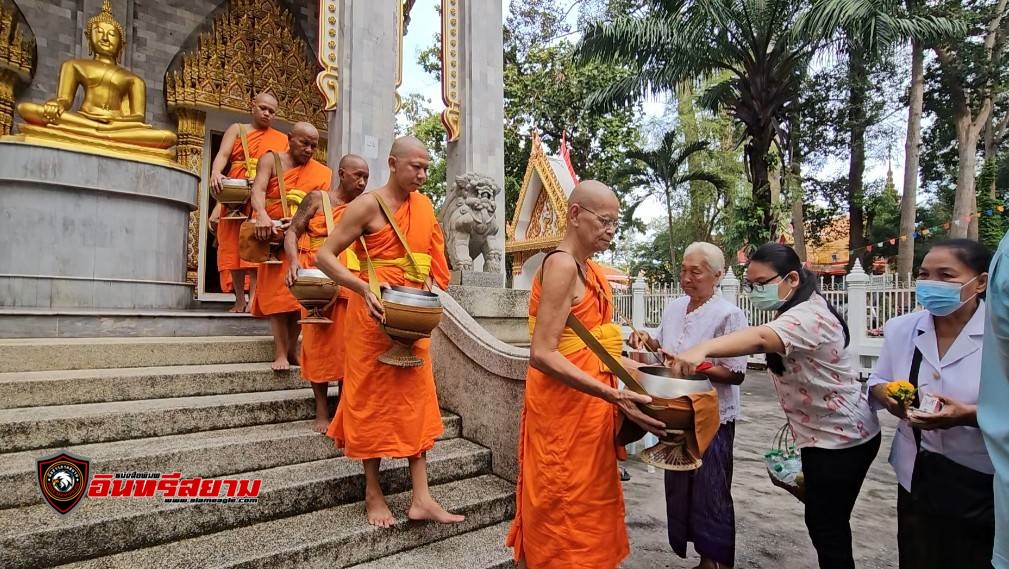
156 31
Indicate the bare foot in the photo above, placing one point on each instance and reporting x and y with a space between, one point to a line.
280 364
379 514
321 425
235 309
432 511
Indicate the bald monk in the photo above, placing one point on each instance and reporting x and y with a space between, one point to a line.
261 139
322 349
272 298
387 411
569 506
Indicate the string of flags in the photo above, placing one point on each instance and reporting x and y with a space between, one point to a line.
926 231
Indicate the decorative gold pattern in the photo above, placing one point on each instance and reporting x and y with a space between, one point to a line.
539 235
328 80
401 16
17 59
451 116
251 47
192 133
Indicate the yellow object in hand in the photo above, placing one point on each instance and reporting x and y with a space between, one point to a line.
902 391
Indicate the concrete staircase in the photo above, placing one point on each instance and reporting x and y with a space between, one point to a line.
210 407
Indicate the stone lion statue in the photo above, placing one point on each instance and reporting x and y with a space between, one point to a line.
469 221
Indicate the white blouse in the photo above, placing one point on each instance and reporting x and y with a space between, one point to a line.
680 331
956 375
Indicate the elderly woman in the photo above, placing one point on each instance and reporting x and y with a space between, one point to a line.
818 388
699 505
945 516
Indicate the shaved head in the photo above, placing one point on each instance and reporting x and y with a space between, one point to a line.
593 194
407 146
304 129
265 97
352 161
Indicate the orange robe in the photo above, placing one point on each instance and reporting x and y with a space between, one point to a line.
569 506
272 294
322 345
260 142
387 411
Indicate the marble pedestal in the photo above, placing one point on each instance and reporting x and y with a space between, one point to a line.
88 231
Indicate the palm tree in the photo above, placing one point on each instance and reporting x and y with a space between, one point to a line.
673 41
661 173
866 32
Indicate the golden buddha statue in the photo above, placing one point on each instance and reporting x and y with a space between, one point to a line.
114 102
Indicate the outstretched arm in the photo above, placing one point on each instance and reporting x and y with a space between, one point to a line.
222 159
556 297
264 225
299 224
349 229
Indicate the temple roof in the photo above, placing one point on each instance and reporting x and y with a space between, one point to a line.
541 212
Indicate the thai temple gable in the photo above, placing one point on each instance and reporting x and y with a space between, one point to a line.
541 211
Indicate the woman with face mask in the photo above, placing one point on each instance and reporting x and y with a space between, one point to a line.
808 360
945 516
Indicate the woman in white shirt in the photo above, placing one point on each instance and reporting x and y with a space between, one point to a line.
944 497
699 504
819 391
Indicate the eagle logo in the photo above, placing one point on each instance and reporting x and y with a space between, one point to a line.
63 479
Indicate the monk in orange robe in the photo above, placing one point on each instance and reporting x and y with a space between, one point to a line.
387 411
569 505
261 139
301 174
322 350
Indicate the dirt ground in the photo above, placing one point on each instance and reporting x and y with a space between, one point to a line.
770 533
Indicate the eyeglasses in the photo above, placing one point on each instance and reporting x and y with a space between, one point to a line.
759 286
608 223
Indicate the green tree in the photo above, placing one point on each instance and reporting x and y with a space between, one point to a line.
417 119
661 173
669 43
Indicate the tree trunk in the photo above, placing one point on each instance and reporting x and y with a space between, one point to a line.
669 227
965 201
759 178
912 152
856 164
687 123
793 184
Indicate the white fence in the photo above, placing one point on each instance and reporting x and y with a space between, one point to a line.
867 301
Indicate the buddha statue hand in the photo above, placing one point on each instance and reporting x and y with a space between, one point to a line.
52 110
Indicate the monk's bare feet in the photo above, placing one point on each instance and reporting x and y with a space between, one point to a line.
431 510
321 425
237 309
281 364
379 514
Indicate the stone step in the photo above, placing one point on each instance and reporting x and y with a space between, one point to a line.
330 538
35 536
481 549
29 428
206 454
73 387
106 323
43 354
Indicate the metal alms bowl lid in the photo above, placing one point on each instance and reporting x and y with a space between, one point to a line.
235 182
411 296
312 274
661 382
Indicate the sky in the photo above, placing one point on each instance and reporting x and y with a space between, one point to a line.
425 24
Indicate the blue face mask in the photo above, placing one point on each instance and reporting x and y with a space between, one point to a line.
939 297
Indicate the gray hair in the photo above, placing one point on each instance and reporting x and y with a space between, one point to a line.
712 255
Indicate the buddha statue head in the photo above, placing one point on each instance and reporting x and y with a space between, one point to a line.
105 34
